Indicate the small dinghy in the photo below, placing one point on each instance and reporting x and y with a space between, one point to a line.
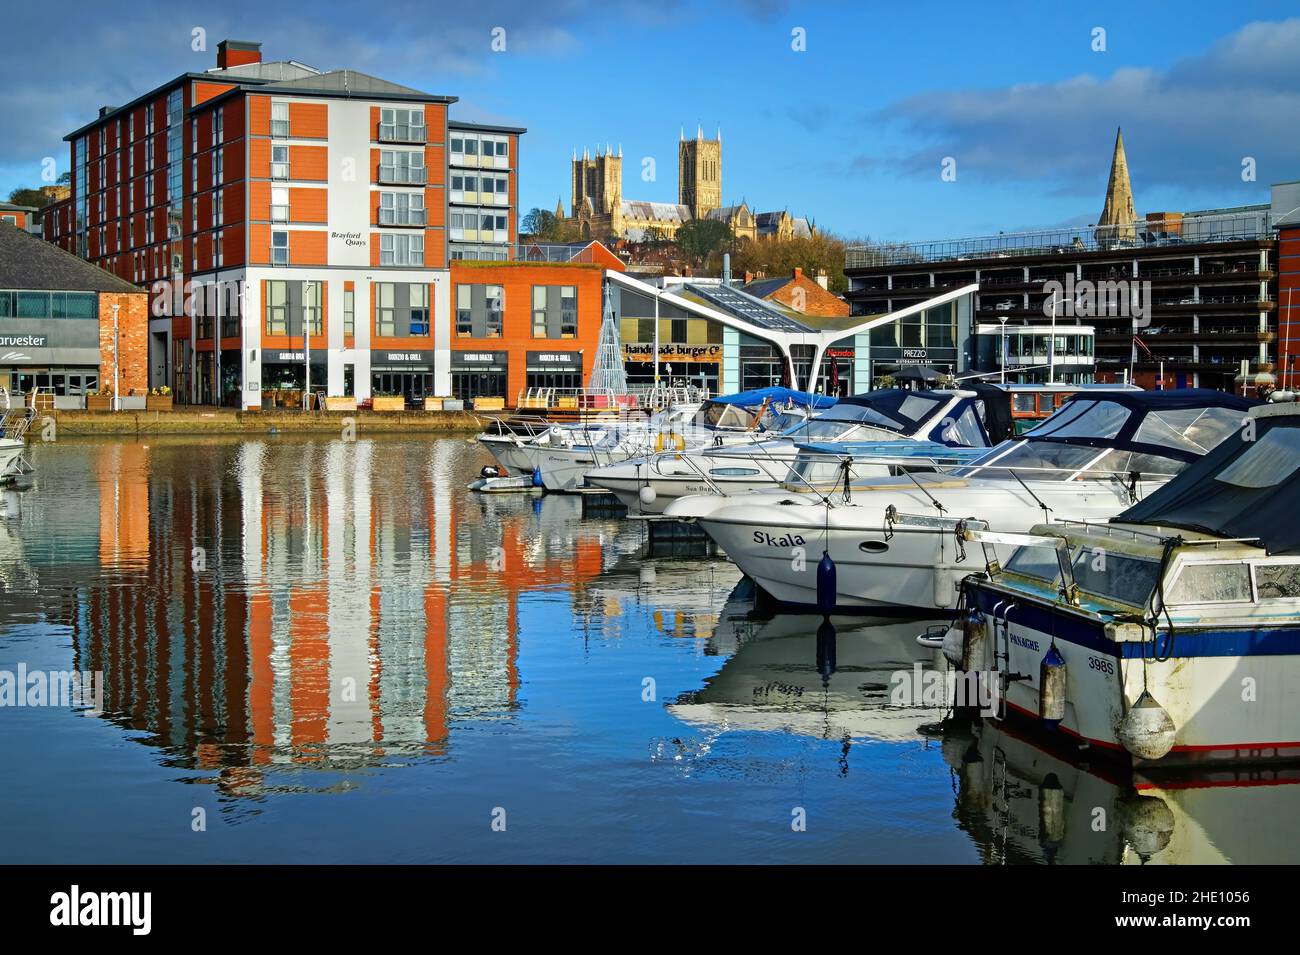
494 480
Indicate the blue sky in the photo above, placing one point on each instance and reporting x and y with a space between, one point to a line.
851 131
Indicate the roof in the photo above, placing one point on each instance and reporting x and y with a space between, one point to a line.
30 263
484 127
350 83
13 206
723 213
1246 487
755 311
658 211
762 288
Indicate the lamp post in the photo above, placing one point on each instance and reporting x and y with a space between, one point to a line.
117 378
1002 363
1051 346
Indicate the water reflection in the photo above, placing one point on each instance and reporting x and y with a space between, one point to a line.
847 679
330 604
1024 801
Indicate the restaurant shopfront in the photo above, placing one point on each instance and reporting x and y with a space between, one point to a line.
477 374
405 373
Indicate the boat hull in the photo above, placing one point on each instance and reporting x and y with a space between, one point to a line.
880 569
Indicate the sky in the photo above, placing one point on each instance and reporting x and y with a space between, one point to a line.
846 112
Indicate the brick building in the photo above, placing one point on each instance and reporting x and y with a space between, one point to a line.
59 325
799 292
294 226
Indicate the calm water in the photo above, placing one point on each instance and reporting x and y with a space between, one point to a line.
338 654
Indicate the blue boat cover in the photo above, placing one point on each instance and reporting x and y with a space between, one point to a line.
776 395
1247 487
1140 404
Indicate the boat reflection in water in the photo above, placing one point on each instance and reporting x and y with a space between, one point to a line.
304 604
1021 802
844 678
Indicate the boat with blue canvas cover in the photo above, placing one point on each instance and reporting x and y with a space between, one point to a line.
891 541
942 417
1169 636
564 454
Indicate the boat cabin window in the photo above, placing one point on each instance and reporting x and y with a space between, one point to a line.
1023 403
965 430
1277 580
1121 462
826 469
1128 580
1272 459
1084 419
1210 583
1189 429
1044 460
733 472
1037 562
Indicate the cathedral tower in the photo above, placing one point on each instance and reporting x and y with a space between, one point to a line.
699 173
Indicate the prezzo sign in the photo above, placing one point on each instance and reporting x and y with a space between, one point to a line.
913 352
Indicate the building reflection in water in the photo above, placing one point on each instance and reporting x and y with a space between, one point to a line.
329 604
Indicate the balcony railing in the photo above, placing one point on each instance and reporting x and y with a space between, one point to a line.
279 170
403 133
414 217
1190 230
279 213
406 175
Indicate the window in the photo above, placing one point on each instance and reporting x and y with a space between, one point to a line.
311 308
277 308
480 311
279 162
401 166
419 319
174 108
401 309
1210 583
217 123
401 208
385 312
279 204
555 311
402 125
1275 580
279 248
218 170
401 249
349 312
148 120
1269 461
279 119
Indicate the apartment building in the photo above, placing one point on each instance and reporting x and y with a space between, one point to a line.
294 226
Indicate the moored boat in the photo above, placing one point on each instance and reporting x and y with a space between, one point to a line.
1169 636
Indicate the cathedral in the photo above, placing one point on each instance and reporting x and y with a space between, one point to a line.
600 211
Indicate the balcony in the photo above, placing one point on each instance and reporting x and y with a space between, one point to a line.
279 213
403 133
279 170
400 217
403 175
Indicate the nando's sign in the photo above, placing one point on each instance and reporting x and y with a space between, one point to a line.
672 352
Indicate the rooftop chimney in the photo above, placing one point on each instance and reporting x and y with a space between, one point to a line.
823 279
105 110
237 53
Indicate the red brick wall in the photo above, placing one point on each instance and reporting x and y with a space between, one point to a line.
133 341
1288 308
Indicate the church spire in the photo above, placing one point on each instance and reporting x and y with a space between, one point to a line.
1117 216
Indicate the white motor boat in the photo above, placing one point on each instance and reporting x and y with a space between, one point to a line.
891 544
567 453
1170 636
13 427
954 418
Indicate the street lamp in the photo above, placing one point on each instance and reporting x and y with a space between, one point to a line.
117 378
1051 342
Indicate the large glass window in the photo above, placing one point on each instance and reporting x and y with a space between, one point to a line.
555 311
401 208
401 249
1210 583
480 311
401 166
279 119
277 308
